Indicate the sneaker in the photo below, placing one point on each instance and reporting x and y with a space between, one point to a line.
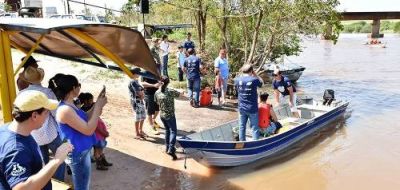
173 155
155 131
156 125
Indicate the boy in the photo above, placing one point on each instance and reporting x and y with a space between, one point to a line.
265 113
136 92
180 56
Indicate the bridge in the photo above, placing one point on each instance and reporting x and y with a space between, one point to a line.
376 18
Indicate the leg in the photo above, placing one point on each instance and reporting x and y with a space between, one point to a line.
242 126
190 89
165 66
167 133
137 128
254 125
60 172
81 170
172 139
196 89
224 88
180 74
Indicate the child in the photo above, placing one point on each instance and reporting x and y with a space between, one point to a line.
265 113
165 98
206 97
86 100
180 56
136 92
218 86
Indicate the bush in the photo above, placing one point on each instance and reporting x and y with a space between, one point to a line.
366 29
396 27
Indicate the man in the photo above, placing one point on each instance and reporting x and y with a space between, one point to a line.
164 47
221 65
284 91
154 50
31 62
180 56
188 43
192 68
246 86
152 108
22 166
47 137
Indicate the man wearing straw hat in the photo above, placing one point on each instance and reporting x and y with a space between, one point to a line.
47 137
30 62
21 163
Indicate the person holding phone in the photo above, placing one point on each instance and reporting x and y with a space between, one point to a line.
77 126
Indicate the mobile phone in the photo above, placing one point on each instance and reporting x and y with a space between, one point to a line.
64 141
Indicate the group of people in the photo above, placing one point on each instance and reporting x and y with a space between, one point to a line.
49 118
263 120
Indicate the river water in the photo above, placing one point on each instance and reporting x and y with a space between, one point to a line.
361 150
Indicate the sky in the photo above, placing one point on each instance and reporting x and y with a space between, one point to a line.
345 5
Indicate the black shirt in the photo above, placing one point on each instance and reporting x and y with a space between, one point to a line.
150 90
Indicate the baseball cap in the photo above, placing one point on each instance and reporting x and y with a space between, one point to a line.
277 72
30 61
30 100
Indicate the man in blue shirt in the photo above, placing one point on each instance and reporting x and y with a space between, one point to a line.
188 43
21 163
221 65
284 91
246 86
192 67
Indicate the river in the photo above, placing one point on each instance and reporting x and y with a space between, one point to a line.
361 150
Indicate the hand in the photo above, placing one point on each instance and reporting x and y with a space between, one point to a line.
62 152
158 85
101 101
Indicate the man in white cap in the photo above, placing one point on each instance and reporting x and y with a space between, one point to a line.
284 91
21 163
47 137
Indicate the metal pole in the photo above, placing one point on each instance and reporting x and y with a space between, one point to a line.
144 28
68 7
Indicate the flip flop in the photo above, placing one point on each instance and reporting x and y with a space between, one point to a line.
138 137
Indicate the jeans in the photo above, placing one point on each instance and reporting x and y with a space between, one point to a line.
180 74
59 175
164 65
81 169
253 117
170 133
194 89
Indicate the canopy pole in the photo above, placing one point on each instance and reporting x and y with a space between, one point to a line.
7 77
102 49
29 54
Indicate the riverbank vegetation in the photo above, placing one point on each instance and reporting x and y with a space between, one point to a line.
366 27
253 31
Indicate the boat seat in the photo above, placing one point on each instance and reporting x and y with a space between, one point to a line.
306 114
283 111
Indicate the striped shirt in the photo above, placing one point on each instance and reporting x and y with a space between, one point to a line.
49 130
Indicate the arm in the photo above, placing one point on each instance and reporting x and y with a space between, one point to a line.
40 179
276 94
67 115
147 85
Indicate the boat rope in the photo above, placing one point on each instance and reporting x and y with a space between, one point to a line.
186 154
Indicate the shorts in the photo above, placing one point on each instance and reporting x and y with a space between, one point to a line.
286 99
151 105
224 84
100 144
140 112
219 93
270 130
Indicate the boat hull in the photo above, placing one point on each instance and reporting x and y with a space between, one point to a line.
228 154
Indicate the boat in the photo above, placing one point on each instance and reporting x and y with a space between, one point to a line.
217 147
377 44
289 69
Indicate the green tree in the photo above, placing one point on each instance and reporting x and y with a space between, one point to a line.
396 27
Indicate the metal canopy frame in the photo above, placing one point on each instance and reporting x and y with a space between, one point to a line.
88 41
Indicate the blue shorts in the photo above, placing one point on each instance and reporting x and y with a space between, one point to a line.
100 144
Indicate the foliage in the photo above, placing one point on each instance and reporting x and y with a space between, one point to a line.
396 27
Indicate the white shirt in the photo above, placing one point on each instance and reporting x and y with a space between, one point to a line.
48 132
164 46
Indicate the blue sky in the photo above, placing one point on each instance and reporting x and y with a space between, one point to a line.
347 5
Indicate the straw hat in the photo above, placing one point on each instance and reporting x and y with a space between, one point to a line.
33 75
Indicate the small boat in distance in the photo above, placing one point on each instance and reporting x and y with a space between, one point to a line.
375 43
218 147
289 69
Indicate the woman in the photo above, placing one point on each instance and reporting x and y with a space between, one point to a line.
76 127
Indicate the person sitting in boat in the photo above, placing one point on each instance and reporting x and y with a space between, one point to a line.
246 86
284 91
265 115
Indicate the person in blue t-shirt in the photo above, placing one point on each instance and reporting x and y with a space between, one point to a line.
192 68
246 86
221 64
188 43
21 162
284 91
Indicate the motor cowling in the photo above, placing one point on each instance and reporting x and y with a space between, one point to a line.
329 96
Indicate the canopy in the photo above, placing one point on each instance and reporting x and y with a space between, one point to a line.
76 40
72 39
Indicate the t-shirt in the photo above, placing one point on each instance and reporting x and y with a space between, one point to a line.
223 66
20 158
181 59
164 46
134 89
100 126
167 102
283 85
150 90
187 44
247 93
192 64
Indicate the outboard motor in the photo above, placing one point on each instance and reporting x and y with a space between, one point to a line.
329 96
